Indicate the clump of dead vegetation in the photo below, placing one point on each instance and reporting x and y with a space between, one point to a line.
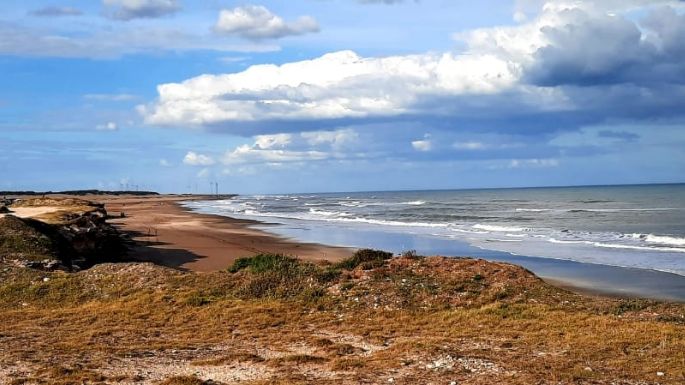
375 318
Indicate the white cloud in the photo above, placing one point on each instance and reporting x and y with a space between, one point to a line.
336 139
542 67
257 22
422 145
233 59
136 9
109 126
254 154
471 145
265 142
336 85
195 159
164 163
279 149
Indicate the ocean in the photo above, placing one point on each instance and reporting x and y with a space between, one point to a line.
640 227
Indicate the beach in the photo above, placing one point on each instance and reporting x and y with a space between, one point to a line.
170 235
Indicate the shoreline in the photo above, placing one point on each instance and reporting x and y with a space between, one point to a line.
172 235
169 234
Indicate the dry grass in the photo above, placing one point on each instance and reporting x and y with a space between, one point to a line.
409 320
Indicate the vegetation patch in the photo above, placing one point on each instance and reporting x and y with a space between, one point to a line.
30 240
275 320
367 259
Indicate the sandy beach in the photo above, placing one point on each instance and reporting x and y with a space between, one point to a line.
169 235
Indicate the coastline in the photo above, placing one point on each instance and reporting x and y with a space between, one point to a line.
171 235
168 234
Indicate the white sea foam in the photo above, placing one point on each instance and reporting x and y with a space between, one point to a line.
499 228
643 248
414 203
665 240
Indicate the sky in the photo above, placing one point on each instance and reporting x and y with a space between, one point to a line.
340 95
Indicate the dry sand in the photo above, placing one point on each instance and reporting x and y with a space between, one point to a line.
171 235
32 212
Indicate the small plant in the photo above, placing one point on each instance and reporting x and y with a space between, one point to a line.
629 305
411 254
263 263
348 364
478 278
366 259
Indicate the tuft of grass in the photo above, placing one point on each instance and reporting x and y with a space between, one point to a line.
347 364
367 259
263 263
411 254
279 276
629 305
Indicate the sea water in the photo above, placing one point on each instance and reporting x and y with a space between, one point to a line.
630 226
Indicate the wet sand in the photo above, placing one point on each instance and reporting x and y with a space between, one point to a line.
170 235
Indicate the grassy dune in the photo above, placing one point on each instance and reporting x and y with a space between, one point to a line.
276 320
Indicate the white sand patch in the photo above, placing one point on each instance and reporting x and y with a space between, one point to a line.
31 212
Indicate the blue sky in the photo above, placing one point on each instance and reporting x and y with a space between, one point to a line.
340 95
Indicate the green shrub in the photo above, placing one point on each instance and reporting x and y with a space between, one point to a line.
265 262
279 276
366 259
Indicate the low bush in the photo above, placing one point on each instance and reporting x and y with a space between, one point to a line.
264 263
366 259
280 276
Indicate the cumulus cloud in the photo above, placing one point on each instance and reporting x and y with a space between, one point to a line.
137 9
282 149
422 145
256 22
571 64
336 85
195 159
251 154
290 148
55 11
266 142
